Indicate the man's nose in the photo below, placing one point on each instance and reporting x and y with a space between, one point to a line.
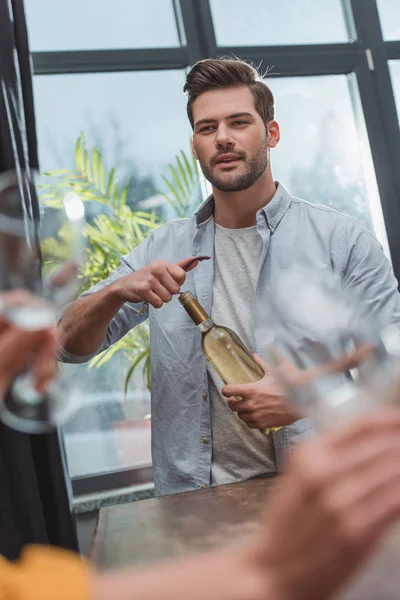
224 137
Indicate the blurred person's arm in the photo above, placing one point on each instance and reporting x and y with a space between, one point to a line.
18 349
324 517
45 574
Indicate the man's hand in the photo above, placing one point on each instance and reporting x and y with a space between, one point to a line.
327 513
21 349
263 404
156 283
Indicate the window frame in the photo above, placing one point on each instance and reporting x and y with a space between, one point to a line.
367 56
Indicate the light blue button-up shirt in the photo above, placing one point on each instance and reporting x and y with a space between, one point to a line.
293 232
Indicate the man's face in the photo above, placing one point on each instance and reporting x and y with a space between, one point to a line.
230 139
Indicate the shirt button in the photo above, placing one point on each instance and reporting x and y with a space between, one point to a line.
202 486
204 396
205 440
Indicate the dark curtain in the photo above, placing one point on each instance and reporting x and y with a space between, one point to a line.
35 498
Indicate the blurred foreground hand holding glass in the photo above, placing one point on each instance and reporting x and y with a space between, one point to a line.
333 388
323 519
40 253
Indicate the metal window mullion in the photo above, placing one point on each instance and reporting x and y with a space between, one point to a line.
292 61
199 29
392 50
100 61
366 18
111 480
385 176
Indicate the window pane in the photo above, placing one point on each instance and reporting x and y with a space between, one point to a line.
97 24
394 66
139 130
323 155
110 432
271 22
389 12
137 119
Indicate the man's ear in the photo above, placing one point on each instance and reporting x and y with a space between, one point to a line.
194 151
274 134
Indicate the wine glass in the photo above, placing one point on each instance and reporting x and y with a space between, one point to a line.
333 356
42 254
337 361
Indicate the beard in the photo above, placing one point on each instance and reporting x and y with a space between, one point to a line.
236 182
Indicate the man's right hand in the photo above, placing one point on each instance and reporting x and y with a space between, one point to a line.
156 283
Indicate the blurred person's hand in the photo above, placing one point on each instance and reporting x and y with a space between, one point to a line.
21 349
328 512
265 404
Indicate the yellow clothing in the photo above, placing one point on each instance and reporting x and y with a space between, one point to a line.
44 573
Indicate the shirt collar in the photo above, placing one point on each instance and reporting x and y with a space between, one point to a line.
273 211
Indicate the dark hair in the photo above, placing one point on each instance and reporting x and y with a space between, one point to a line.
214 73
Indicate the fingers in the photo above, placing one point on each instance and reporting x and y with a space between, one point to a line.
158 282
266 367
237 390
188 264
166 281
161 291
16 349
169 282
377 422
382 512
153 299
45 364
349 451
177 273
296 377
161 282
238 404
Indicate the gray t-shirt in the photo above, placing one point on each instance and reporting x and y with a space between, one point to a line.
238 452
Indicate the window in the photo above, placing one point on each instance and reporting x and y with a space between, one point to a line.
90 25
139 122
394 66
137 119
130 104
322 152
266 23
389 12
110 432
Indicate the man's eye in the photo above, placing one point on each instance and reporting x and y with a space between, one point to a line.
240 123
205 129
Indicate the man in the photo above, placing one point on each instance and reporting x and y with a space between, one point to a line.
253 229
324 517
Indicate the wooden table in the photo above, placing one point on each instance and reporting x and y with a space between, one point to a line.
150 530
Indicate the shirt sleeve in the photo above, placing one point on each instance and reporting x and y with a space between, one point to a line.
44 573
129 315
370 274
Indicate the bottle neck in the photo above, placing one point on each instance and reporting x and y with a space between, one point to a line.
195 311
205 325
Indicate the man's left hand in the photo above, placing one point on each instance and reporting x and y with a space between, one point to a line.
263 404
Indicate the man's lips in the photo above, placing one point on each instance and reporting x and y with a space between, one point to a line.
227 159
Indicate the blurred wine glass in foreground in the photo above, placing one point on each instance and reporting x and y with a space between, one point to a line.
42 255
333 355
337 361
